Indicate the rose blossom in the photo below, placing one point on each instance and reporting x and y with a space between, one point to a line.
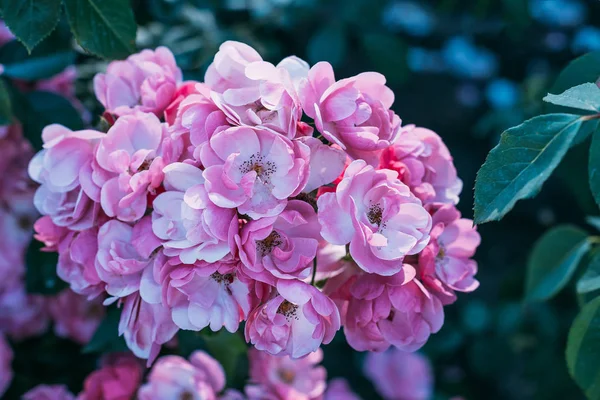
424 163
145 81
378 215
75 317
130 161
59 168
254 170
379 311
339 389
190 225
280 247
445 264
353 113
118 378
398 375
49 392
326 163
6 357
283 377
295 322
206 294
172 377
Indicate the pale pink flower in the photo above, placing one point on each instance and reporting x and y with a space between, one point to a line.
183 91
339 389
49 392
378 215
206 294
118 378
145 81
445 264
189 224
145 326
326 163
228 69
57 168
254 170
398 375
131 158
74 316
6 357
282 377
280 247
173 377
330 260
49 233
22 315
353 113
424 163
15 154
295 322
16 234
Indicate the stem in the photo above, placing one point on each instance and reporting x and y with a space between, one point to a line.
590 117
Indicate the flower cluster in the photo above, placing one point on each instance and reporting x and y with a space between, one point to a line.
396 376
208 204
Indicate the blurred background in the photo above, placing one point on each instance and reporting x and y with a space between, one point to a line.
468 70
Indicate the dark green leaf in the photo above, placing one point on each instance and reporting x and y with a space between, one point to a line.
587 128
594 166
582 70
227 348
42 63
328 44
31 20
103 27
106 339
38 109
553 261
594 221
518 166
5 104
387 54
590 280
583 349
41 275
584 97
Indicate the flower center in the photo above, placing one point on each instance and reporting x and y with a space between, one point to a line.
264 169
145 166
227 279
266 245
288 310
375 214
286 375
186 396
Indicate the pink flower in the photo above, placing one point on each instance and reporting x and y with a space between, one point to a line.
15 154
273 377
424 163
280 247
353 113
75 317
6 357
123 254
398 375
117 379
326 163
295 322
22 315
445 264
145 81
205 294
145 326
58 168
190 225
254 92
382 311
254 170
49 392
172 377
339 389
131 158
378 215
5 34
185 90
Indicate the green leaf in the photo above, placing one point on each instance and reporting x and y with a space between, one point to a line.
40 276
590 281
106 339
583 349
5 104
587 128
581 70
594 166
42 63
38 109
584 97
227 348
518 166
553 261
31 20
328 44
593 221
106 28
387 54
